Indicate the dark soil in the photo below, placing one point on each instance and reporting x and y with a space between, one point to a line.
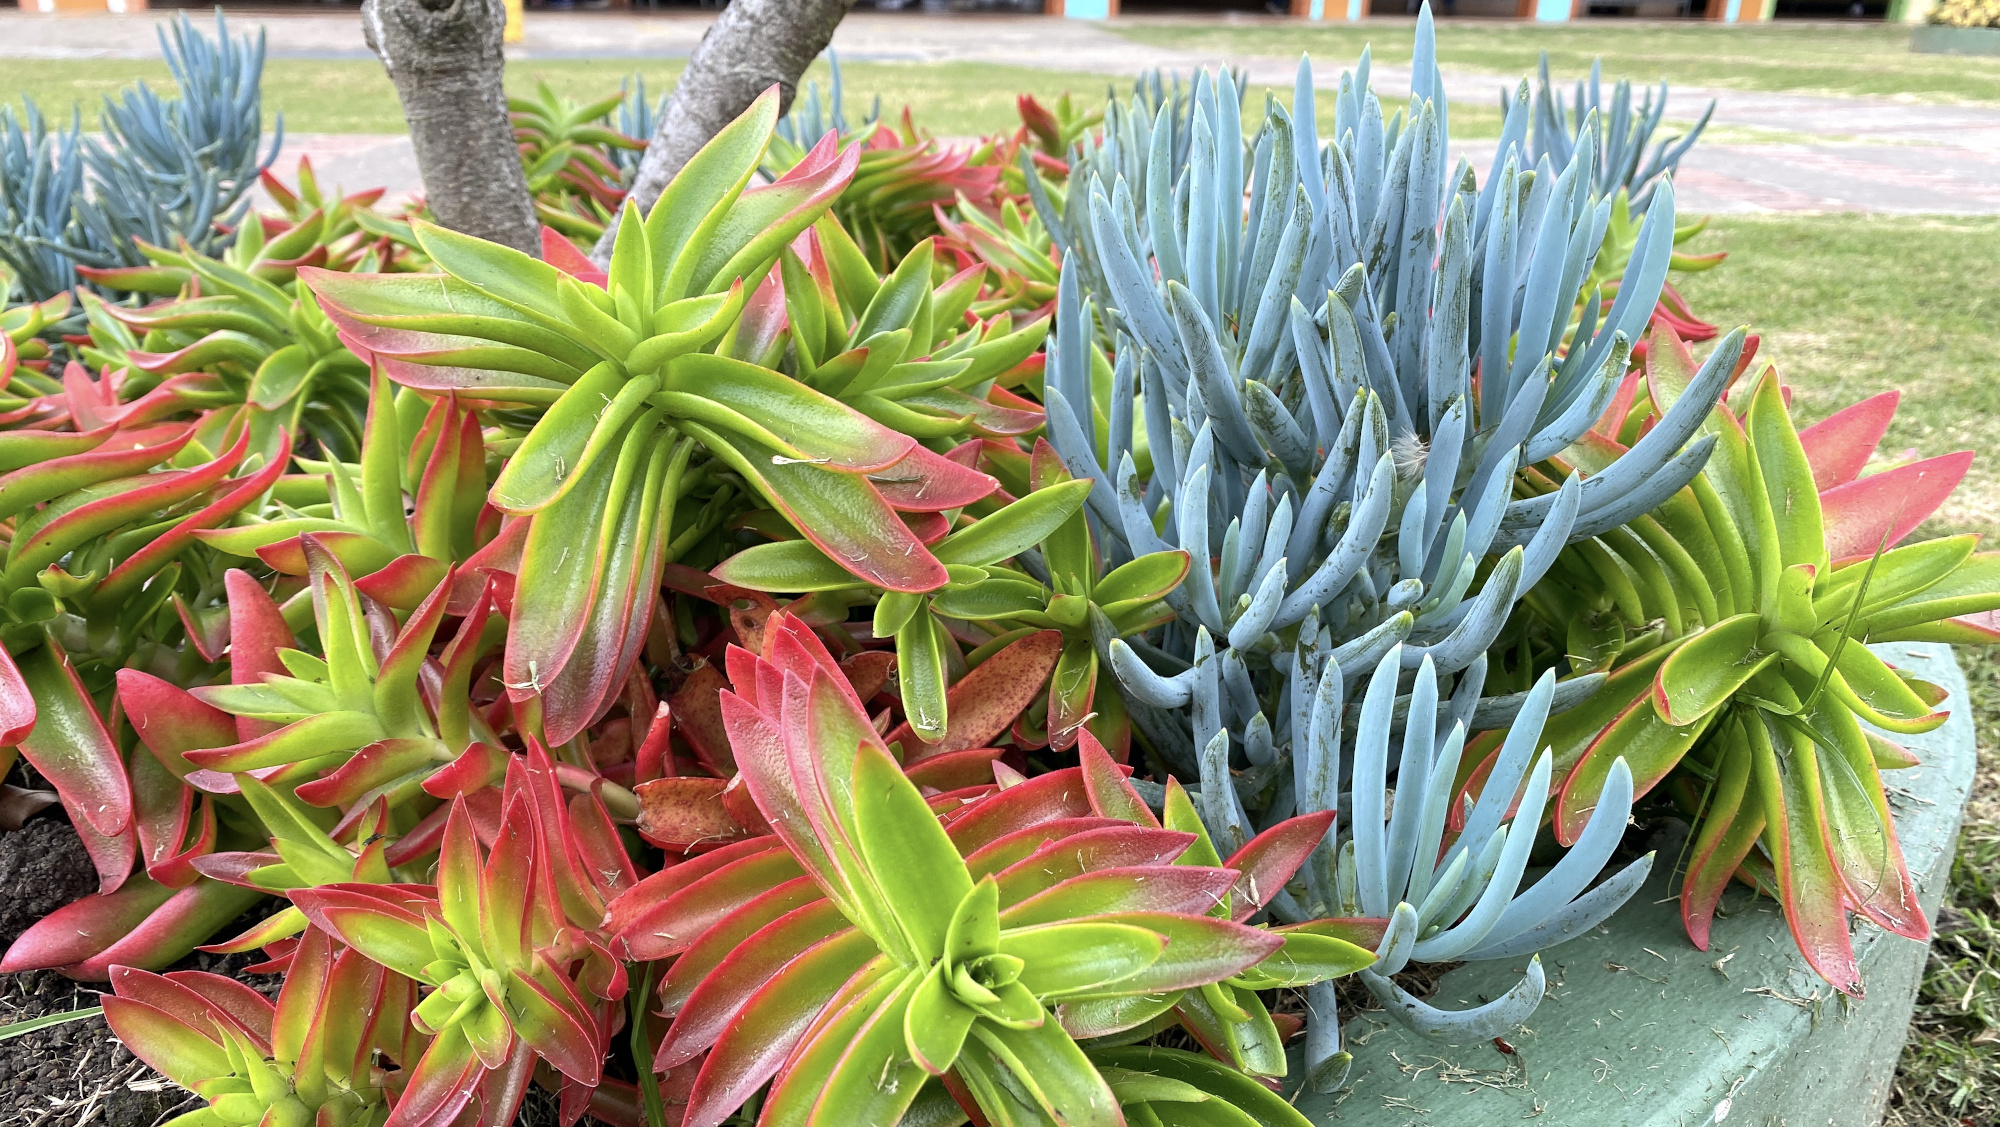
74 1074
42 867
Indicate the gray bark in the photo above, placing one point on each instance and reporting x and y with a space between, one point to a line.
444 57
751 46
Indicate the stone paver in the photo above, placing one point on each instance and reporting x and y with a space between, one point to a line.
1874 154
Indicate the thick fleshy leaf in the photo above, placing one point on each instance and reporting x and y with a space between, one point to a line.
131 572
83 928
1808 887
323 734
914 862
1080 957
441 1085
935 1028
560 1034
71 748
637 901
1307 958
1650 747
1016 528
703 1010
1053 1070
841 513
396 313
817 427
1200 949
1788 477
1111 795
1013 847
920 668
1860 833
762 220
385 931
44 537
766 770
1879 510
170 721
1268 861
877 1078
1730 827
693 968
1044 798
1265 1107
30 485
923 482
181 1053
774 1019
562 551
1708 669
1117 846
667 927
209 1003
785 566
686 814
1145 579
17 702
955 770
797 1088
168 933
1184 889
985 701
1840 445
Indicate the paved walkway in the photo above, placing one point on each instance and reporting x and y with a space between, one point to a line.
1828 154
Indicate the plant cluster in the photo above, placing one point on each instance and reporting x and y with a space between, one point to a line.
157 171
892 645
1731 621
1964 13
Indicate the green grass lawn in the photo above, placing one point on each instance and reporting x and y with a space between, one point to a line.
1806 58
1849 306
355 96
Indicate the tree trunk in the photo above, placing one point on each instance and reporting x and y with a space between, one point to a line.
752 45
444 57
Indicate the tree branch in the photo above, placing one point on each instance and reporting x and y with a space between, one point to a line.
444 57
752 45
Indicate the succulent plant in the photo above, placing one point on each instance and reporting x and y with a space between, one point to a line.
41 175
678 342
251 340
875 943
568 151
637 117
1627 129
165 170
812 118
1314 424
179 168
506 943
307 1059
1733 622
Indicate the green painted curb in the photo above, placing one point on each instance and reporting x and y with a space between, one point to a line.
1941 39
1639 1029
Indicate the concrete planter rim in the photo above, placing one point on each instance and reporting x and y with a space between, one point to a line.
1945 39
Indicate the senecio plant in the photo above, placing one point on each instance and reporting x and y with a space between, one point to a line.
756 682
1329 400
